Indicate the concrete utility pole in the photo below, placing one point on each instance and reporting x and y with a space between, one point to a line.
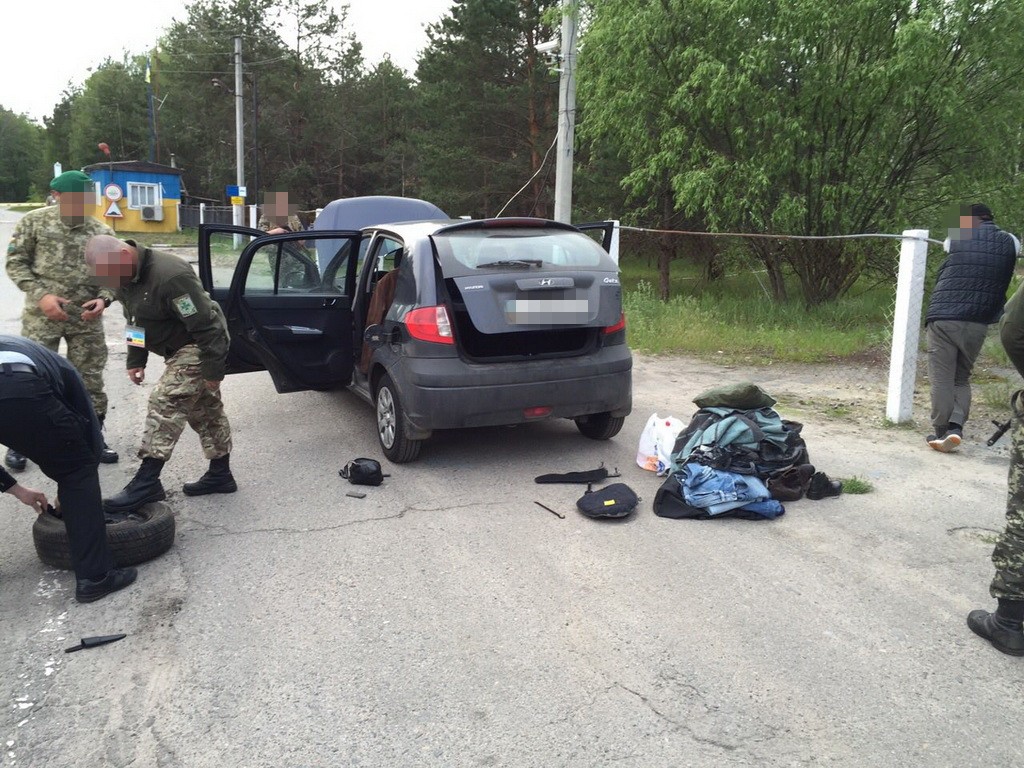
566 116
237 214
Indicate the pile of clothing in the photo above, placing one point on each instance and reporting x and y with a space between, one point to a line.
736 458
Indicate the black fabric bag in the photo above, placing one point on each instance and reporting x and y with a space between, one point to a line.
615 500
670 502
363 472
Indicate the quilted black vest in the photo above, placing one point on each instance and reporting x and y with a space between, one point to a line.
973 280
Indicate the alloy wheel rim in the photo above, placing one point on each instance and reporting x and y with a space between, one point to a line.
386 417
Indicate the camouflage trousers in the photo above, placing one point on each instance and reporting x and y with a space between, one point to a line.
1008 556
87 347
181 397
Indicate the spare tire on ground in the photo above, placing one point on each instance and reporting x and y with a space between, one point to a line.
132 538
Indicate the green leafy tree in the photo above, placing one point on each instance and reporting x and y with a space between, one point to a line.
804 117
110 108
57 141
486 108
21 156
298 62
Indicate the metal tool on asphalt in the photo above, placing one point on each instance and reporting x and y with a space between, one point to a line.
93 642
549 509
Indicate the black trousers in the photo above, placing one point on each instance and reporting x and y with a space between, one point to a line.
35 423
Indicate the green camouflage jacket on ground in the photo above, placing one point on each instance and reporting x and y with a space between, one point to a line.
166 299
46 255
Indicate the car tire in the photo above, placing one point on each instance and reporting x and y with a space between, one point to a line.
132 539
391 424
600 426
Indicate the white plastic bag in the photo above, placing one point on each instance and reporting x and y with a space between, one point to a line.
656 442
647 452
665 433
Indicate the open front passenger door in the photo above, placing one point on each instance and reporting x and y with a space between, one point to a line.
288 302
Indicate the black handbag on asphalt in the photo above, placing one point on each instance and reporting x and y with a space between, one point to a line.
615 500
363 472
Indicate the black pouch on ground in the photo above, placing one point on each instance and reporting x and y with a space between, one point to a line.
615 500
584 478
363 472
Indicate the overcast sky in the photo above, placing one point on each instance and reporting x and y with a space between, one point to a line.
49 43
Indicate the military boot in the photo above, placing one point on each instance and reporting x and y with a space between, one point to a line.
107 455
1005 635
218 479
144 488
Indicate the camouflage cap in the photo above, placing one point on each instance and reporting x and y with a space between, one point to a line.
71 181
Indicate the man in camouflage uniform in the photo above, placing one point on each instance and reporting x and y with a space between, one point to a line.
1005 628
169 313
278 216
44 259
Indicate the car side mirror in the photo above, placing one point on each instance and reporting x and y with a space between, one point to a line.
376 335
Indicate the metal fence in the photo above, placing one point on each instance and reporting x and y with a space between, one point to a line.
191 216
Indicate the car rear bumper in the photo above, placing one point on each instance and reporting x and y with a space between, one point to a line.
448 393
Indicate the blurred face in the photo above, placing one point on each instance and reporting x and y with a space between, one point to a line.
72 206
112 268
277 209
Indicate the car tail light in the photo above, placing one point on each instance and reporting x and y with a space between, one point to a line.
430 324
617 327
537 412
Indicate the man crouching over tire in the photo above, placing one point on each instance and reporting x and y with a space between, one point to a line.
46 414
169 313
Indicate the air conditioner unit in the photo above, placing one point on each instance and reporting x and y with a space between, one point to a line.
152 213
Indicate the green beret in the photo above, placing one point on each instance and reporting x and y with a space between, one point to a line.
71 181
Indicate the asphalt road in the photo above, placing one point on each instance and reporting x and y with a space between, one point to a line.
446 620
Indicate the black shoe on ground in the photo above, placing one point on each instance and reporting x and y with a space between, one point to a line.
144 488
1003 635
822 487
108 455
15 460
91 590
218 479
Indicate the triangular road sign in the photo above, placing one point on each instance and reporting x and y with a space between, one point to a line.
113 211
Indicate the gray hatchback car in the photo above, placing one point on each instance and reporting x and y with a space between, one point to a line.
438 323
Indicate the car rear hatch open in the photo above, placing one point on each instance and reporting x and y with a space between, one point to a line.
527 288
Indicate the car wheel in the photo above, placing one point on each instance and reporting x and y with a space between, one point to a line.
390 425
132 538
600 426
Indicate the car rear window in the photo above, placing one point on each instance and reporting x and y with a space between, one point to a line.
475 251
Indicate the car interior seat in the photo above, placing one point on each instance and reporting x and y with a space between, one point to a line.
380 301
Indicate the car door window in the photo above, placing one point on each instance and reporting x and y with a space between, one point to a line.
388 252
225 248
292 267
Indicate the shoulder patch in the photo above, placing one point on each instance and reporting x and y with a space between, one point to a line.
185 306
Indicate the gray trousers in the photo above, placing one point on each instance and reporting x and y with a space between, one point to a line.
953 346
